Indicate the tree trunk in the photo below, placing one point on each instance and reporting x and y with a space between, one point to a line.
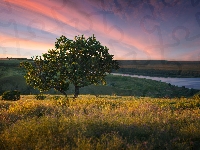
76 93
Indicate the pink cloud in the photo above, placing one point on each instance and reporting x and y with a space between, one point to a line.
117 24
67 15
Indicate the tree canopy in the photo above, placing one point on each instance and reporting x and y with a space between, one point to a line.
80 62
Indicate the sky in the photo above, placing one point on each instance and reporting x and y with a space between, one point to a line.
131 29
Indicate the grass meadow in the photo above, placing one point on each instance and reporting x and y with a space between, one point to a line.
99 123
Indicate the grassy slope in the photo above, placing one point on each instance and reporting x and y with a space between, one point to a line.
110 122
116 85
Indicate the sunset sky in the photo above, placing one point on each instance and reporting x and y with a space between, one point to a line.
131 29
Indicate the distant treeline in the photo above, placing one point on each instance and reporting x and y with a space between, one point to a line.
148 62
160 68
12 62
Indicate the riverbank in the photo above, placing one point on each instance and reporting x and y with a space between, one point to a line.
160 68
191 83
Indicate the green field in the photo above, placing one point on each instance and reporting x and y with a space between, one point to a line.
104 122
116 85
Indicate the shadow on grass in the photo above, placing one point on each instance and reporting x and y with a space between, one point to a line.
61 133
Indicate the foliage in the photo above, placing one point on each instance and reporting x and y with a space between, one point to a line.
81 62
11 95
45 74
106 122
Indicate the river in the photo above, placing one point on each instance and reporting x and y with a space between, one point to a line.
187 82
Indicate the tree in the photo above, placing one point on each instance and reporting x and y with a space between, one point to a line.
45 74
81 62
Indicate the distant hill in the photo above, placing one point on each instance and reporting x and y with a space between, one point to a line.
160 68
157 68
14 59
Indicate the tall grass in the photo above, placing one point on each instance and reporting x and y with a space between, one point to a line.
104 122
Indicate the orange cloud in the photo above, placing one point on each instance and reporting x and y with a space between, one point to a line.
69 14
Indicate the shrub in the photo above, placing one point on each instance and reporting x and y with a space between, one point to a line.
11 95
56 97
40 96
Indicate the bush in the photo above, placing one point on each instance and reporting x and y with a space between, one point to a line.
11 95
56 98
40 97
